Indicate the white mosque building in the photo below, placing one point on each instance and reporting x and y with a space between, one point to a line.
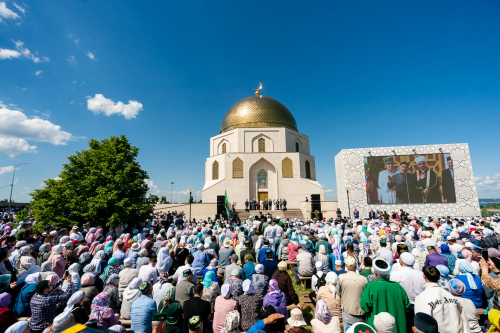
260 154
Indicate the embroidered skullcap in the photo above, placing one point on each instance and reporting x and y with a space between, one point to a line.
384 322
350 262
194 323
144 287
187 273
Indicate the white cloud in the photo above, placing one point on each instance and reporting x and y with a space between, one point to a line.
99 103
26 188
91 56
74 82
6 13
16 128
488 182
15 146
21 51
150 184
22 8
37 73
6 169
71 59
74 39
9 54
57 178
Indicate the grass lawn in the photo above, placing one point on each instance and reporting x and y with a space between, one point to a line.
307 311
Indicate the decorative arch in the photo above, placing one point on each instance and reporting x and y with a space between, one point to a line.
224 148
215 170
308 169
297 147
262 145
237 168
287 168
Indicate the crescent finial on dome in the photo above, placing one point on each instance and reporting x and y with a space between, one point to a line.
257 91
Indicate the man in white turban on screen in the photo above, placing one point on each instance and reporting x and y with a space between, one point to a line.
387 195
427 184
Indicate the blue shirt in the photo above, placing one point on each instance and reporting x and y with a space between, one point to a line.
262 254
141 314
270 267
120 255
248 270
475 295
199 263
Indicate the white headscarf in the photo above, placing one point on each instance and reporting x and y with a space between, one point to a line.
135 283
97 260
18 327
32 270
331 279
259 268
75 298
248 287
32 278
161 265
322 255
226 290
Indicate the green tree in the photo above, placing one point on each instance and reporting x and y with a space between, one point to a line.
163 199
103 184
22 215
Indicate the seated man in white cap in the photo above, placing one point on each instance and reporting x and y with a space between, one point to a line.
350 287
382 295
318 280
384 323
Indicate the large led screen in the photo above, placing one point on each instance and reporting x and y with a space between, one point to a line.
414 179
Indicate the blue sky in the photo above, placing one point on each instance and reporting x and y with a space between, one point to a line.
354 74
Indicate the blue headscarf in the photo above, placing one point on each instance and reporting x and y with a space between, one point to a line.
466 268
209 279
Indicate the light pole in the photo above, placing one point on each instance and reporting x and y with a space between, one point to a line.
12 184
172 193
190 199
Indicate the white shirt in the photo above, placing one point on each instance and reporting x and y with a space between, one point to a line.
387 254
455 248
159 292
148 273
180 270
411 280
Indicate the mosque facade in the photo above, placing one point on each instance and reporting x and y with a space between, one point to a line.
260 154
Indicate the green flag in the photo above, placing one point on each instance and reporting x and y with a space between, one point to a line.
228 208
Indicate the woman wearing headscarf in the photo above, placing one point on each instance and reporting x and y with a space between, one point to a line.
467 257
160 287
259 243
130 294
58 263
173 310
102 312
68 254
223 305
323 258
450 258
324 321
91 236
95 247
89 290
249 306
22 304
108 249
285 284
234 240
84 260
445 277
111 289
112 268
469 313
19 327
142 259
420 254
236 284
24 261
328 293
43 254
4 258
260 280
409 241
82 249
164 261
75 306
211 289
7 317
276 298
75 278
212 267
200 260
472 282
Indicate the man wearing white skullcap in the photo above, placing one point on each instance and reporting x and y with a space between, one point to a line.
426 188
384 323
410 279
385 194
385 296
317 277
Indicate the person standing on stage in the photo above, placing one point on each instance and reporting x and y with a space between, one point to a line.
427 184
448 182
387 195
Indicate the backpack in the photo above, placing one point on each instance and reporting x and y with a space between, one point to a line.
320 281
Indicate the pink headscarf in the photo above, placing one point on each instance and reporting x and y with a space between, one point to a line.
82 249
467 255
98 248
92 247
87 280
109 238
98 232
52 278
115 245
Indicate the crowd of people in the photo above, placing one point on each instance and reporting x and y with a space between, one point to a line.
172 275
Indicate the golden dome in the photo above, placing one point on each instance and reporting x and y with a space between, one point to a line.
258 111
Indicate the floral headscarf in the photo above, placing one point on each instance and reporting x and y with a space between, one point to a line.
169 293
273 287
99 305
163 277
321 312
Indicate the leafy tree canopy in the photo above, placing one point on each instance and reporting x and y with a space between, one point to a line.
103 184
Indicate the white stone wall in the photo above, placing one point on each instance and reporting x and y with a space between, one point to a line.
349 169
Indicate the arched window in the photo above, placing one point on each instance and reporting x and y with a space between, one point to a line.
223 148
262 179
215 170
287 168
297 147
308 170
238 168
262 145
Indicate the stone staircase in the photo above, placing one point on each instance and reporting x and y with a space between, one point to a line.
288 214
